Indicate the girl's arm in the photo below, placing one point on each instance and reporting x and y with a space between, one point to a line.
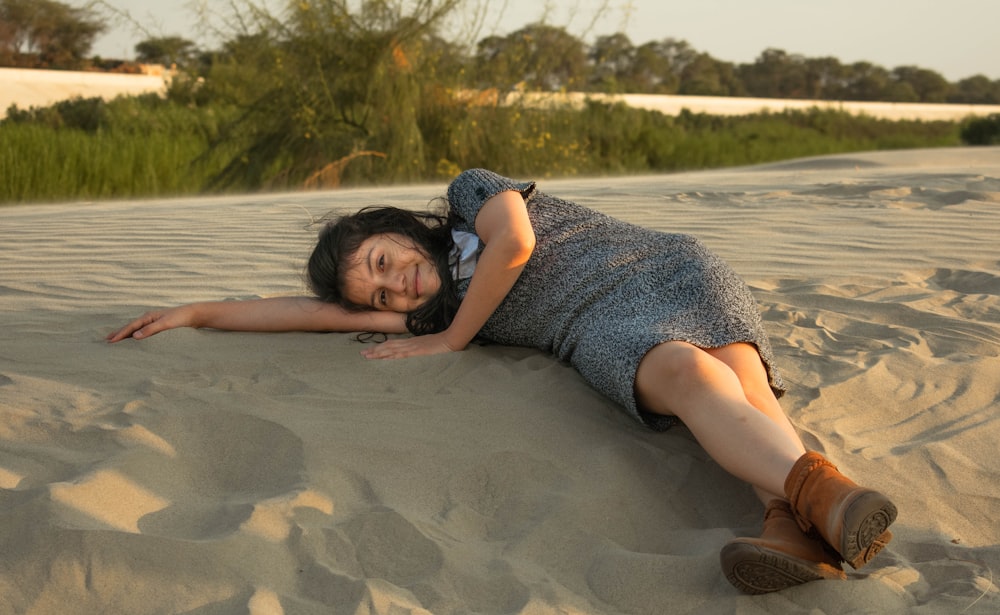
503 225
276 314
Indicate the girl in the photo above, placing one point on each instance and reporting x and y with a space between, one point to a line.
653 320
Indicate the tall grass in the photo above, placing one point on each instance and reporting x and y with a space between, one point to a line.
87 149
39 163
606 139
148 147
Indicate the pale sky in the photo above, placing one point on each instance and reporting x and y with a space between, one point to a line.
957 38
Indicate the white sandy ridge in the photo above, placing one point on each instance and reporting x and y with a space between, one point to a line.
28 88
39 88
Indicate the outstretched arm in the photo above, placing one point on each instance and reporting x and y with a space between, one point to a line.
275 314
504 227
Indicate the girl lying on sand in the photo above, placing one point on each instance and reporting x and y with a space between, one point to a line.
653 320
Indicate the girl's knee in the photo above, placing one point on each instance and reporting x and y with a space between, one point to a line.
746 363
671 370
675 361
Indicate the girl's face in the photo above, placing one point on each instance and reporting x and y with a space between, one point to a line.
389 272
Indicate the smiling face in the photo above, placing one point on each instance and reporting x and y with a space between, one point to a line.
389 272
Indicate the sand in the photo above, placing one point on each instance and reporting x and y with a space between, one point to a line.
29 88
213 473
743 105
39 88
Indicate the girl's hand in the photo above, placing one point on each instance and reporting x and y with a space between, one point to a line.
153 322
409 347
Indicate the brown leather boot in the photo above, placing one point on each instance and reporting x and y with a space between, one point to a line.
783 556
852 519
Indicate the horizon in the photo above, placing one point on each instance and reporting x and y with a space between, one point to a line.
945 41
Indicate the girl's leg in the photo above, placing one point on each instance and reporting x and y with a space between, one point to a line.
745 362
720 398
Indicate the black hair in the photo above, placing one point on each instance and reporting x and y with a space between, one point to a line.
340 239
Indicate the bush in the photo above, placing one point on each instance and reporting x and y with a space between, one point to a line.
982 130
87 114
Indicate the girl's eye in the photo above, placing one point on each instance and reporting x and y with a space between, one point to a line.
381 297
381 263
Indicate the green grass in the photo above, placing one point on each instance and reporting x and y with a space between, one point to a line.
149 147
39 163
614 140
87 149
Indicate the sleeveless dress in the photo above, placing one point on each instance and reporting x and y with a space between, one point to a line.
599 293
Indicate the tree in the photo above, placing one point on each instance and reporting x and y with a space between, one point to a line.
824 78
497 64
612 59
447 60
776 74
929 86
166 50
865 81
46 33
544 57
654 67
706 76
976 90
899 91
659 65
16 19
327 84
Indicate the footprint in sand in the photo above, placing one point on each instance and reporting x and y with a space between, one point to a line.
213 467
390 547
964 281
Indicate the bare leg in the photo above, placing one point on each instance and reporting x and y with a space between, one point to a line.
723 398
746 364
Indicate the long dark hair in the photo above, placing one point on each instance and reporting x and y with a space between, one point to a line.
340 239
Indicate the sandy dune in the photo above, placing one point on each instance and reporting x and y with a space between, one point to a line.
743 105
28 88
214 473
40 88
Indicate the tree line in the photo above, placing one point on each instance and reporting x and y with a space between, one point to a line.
546 57
539 57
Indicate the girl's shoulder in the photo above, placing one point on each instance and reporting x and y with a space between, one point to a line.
473 187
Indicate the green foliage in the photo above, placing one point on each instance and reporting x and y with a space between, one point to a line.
72 164
86 114
603 139
166 50
672 66
976 90
326 87
982 131
89 149
46 34
540 56
148 146
128 115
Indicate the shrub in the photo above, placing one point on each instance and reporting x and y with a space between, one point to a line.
982 130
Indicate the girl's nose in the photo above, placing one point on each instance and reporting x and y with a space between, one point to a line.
396 284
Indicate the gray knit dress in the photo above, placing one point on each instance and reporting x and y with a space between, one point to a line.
600 293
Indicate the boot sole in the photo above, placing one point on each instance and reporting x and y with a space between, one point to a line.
753 569
865 523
